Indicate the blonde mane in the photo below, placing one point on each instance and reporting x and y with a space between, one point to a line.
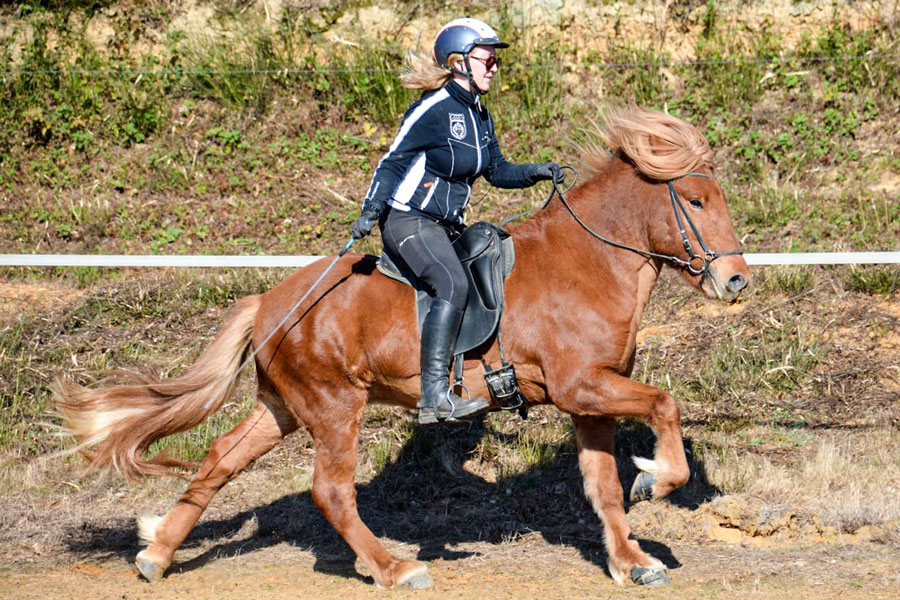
659 145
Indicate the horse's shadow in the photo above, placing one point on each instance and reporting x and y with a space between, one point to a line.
425 498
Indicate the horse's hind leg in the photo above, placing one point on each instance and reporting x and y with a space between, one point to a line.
261 431
335 431
595 437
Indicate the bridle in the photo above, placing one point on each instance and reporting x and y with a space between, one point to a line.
696 264
708 255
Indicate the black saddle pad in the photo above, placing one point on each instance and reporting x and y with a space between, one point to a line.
487 255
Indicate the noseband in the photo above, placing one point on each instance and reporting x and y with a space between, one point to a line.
694 261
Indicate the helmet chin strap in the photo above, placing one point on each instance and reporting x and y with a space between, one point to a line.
476 91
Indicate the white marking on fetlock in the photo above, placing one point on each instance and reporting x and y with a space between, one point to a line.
617 575
646 464
147 524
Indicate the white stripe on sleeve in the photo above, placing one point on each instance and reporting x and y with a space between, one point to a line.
438 96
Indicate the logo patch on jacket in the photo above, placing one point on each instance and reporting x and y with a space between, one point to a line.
457 126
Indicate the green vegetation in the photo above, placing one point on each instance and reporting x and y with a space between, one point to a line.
792 281
879 280
260 136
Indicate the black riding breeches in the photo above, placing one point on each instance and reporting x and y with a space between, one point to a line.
426 249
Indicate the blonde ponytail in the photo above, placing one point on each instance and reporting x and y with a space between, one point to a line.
423 73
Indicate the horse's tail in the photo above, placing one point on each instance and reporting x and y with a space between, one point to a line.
116 425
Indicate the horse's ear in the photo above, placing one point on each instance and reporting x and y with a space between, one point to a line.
656 145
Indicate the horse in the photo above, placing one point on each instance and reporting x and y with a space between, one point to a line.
585 267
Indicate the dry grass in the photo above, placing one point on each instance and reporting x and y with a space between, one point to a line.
815 441
846 479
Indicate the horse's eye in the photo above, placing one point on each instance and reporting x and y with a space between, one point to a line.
696 203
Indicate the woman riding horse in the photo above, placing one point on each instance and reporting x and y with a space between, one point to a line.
585 268
422 186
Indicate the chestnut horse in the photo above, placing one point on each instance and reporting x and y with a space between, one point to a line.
573 305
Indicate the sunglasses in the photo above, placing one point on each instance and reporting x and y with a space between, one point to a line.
489 63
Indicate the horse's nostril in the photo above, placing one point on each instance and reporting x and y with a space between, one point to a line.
736 283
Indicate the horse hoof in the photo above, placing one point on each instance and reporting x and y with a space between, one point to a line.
417 580
650 576
421 581
642 489
150 571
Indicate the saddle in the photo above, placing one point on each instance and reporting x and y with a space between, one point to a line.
487 255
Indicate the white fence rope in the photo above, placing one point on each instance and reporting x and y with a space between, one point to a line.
281 260
824 258
153 260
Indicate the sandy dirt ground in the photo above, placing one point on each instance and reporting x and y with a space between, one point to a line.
64 537
527 568
257 541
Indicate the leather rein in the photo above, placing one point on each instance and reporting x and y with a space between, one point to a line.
705 259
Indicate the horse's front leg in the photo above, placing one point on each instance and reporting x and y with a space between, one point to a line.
608 394
595 437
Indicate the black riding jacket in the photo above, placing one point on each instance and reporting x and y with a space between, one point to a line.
446 141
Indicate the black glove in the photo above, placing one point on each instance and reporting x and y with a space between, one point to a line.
549 171
363 225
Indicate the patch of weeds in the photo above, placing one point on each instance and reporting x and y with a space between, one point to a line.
141 118
880 280
366 82
723 76
225 141
753 150
635 69
729 424
234 71
86 277
789 220
527 450
873 221
790 280
724 129
164 237
24 396
384 447
168 172
535 451
774 437
836 39
531 98
765 358
329 148
769 208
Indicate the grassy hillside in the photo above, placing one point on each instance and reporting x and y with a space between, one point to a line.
136 127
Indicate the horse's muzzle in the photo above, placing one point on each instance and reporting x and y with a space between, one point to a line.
726 281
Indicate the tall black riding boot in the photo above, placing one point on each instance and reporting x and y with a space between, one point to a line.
438 340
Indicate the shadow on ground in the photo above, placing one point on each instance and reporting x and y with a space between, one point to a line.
425 498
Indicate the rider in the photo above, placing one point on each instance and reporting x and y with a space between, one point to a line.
422 186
